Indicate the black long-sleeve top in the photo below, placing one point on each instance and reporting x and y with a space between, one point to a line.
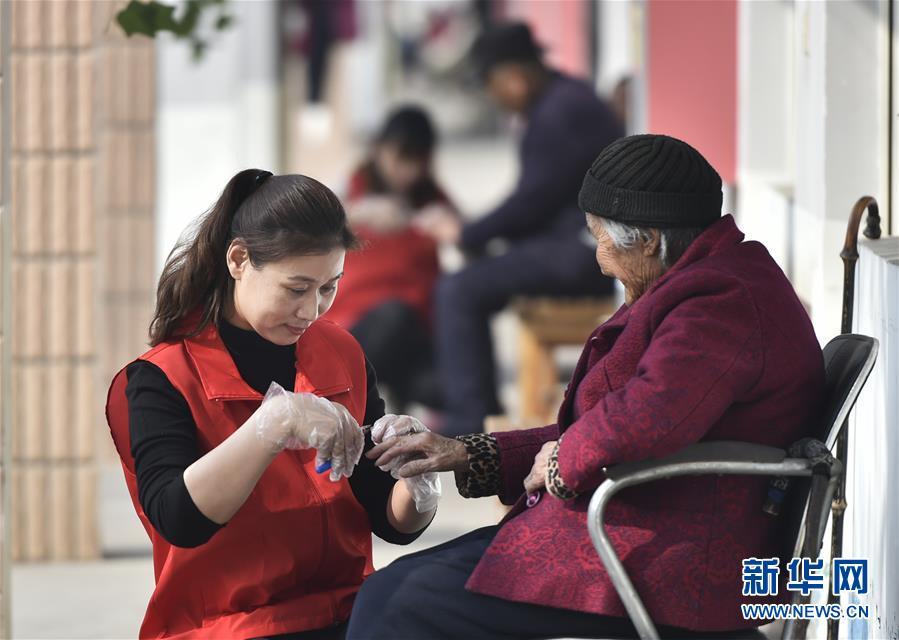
567 126
164 441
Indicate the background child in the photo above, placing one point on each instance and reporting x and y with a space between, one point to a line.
388 286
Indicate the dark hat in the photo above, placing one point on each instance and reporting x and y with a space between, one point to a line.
652 181
505 42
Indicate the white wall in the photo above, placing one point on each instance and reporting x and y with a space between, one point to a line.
814 137
813 134
841 145
620 29
615 29
872 517
214 118
842 136
766 128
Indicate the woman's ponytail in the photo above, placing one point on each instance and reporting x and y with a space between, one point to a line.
195 276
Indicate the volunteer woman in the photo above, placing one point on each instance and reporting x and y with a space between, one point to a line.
248 538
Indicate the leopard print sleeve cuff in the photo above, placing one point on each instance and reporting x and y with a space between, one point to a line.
482 478
554 483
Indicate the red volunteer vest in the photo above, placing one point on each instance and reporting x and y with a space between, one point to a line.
296 552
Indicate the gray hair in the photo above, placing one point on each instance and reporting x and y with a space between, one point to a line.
672 242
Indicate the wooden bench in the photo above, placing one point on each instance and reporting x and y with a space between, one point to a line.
548 323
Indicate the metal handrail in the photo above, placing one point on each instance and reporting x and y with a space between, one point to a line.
797 467
849 255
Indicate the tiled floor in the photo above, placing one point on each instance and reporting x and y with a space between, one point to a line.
106 599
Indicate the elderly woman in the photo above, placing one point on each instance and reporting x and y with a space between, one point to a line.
711 344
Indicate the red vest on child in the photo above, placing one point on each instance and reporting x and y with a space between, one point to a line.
296 552
402 265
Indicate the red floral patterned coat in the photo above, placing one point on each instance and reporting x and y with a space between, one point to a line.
719 348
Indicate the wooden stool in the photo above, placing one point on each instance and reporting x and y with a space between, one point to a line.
547 323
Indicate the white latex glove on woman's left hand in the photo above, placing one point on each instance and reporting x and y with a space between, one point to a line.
425 488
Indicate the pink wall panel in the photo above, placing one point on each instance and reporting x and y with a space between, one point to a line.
692 76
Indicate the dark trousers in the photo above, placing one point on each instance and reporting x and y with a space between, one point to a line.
320 14
337 632
400 348
422 596
465 302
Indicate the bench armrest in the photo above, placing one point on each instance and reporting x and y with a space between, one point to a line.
704 458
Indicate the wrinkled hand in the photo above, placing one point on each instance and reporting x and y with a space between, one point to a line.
424 487
439 222
287 420
425 452
536 479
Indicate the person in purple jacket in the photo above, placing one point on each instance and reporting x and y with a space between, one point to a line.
712 343
548 252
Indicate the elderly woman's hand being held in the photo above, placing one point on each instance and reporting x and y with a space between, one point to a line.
428 452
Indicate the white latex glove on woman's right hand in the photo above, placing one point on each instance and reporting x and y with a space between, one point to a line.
425 488
288 420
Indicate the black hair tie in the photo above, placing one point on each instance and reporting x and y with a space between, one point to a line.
248 188
262 176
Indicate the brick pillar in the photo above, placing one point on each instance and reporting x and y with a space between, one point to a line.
126 120
4 324
53 264
65 158
126 193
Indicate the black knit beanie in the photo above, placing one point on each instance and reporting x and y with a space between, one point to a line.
652 181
